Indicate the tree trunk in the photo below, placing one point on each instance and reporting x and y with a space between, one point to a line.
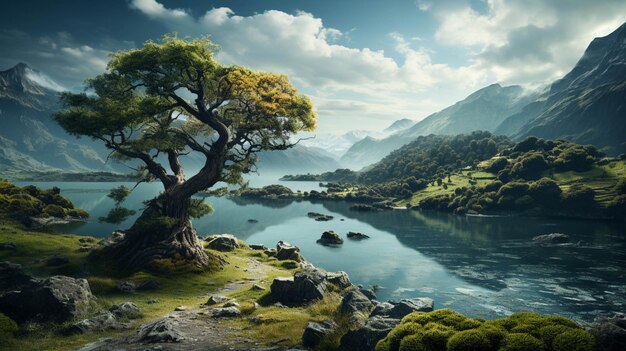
162 232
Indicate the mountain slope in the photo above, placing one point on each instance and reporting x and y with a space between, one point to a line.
483 110
588 105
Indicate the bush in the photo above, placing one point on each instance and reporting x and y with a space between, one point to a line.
521 342
574 340
468 340
78 213
54 211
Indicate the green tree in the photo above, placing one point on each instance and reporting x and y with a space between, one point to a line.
171 98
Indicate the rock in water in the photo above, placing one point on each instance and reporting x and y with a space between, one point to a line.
164 330
330 238
286 251
406 306
314 332
58 298
319 217
357 236
223 242
551 239
366 337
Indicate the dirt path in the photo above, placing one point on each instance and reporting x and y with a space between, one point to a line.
201 332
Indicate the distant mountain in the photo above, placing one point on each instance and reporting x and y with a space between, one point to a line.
483 110
399 125
588 105
31 140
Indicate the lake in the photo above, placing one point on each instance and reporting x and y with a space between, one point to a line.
481 266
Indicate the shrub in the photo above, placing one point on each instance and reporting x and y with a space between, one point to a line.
78 213
521 342
468 340
54 211
574 340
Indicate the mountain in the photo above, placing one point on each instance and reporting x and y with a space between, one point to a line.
483 110
399 125
31 140
588 105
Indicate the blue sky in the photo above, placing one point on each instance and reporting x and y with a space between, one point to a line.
364 63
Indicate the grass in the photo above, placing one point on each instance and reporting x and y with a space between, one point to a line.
459 180
276 325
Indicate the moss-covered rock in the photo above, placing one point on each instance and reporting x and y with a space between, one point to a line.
574 340
521 342
469 340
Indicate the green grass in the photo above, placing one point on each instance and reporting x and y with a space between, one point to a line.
462 179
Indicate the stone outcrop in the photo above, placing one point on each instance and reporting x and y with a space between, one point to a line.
286 251
330 238
610 332
223 242
357 306
357 236
366 337
306 286
315 332
164 330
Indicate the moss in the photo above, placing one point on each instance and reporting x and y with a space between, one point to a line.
521 342
397 334
7 326
78 213
574 340
495 334
413 343
435 339
549 332
54 211
468 340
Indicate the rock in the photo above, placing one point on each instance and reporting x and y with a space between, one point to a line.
126 287
610 332
58 298
319 217
232 303
99 322
330 238
164 330
223 242
286 251
270 252
382 309
357 306
251 220
57 261
357 236
305 286
127 310
366 337
216 300
152 301
8 246
13 277
406 306
551 239
149 285
339 279
314 333
258 247
180 309
257 287
369 293
231 311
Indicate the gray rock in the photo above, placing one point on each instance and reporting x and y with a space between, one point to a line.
223 242
382 309
551 239
164 330
357 236
406 306
339 279
319 217
366 337
306 286
99 322
149 285
58 298
258 247
369 293
216 300
231 311
257 287
128 310
314 333
610 332
180 309
330 238
232 303
357 306
286 251
126 287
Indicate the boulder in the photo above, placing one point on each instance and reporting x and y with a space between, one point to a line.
126 310
319 216
223 242
366 337
369 293
551 239
382 309
126 287
330 238
314 333
252 220
339 279
99 322
58 298
257 287
231 311
610 332
164 330
357 236
356 305
216 300
406 306
258 247
13 277
286 251
306 286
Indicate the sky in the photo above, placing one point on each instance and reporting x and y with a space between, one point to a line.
363 63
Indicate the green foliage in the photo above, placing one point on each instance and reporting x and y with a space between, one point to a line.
54 211
7 327
199 208
119 194
78 213
117 215
446 330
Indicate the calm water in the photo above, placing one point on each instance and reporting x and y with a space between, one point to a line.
480 266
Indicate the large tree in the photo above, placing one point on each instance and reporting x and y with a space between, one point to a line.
167 99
